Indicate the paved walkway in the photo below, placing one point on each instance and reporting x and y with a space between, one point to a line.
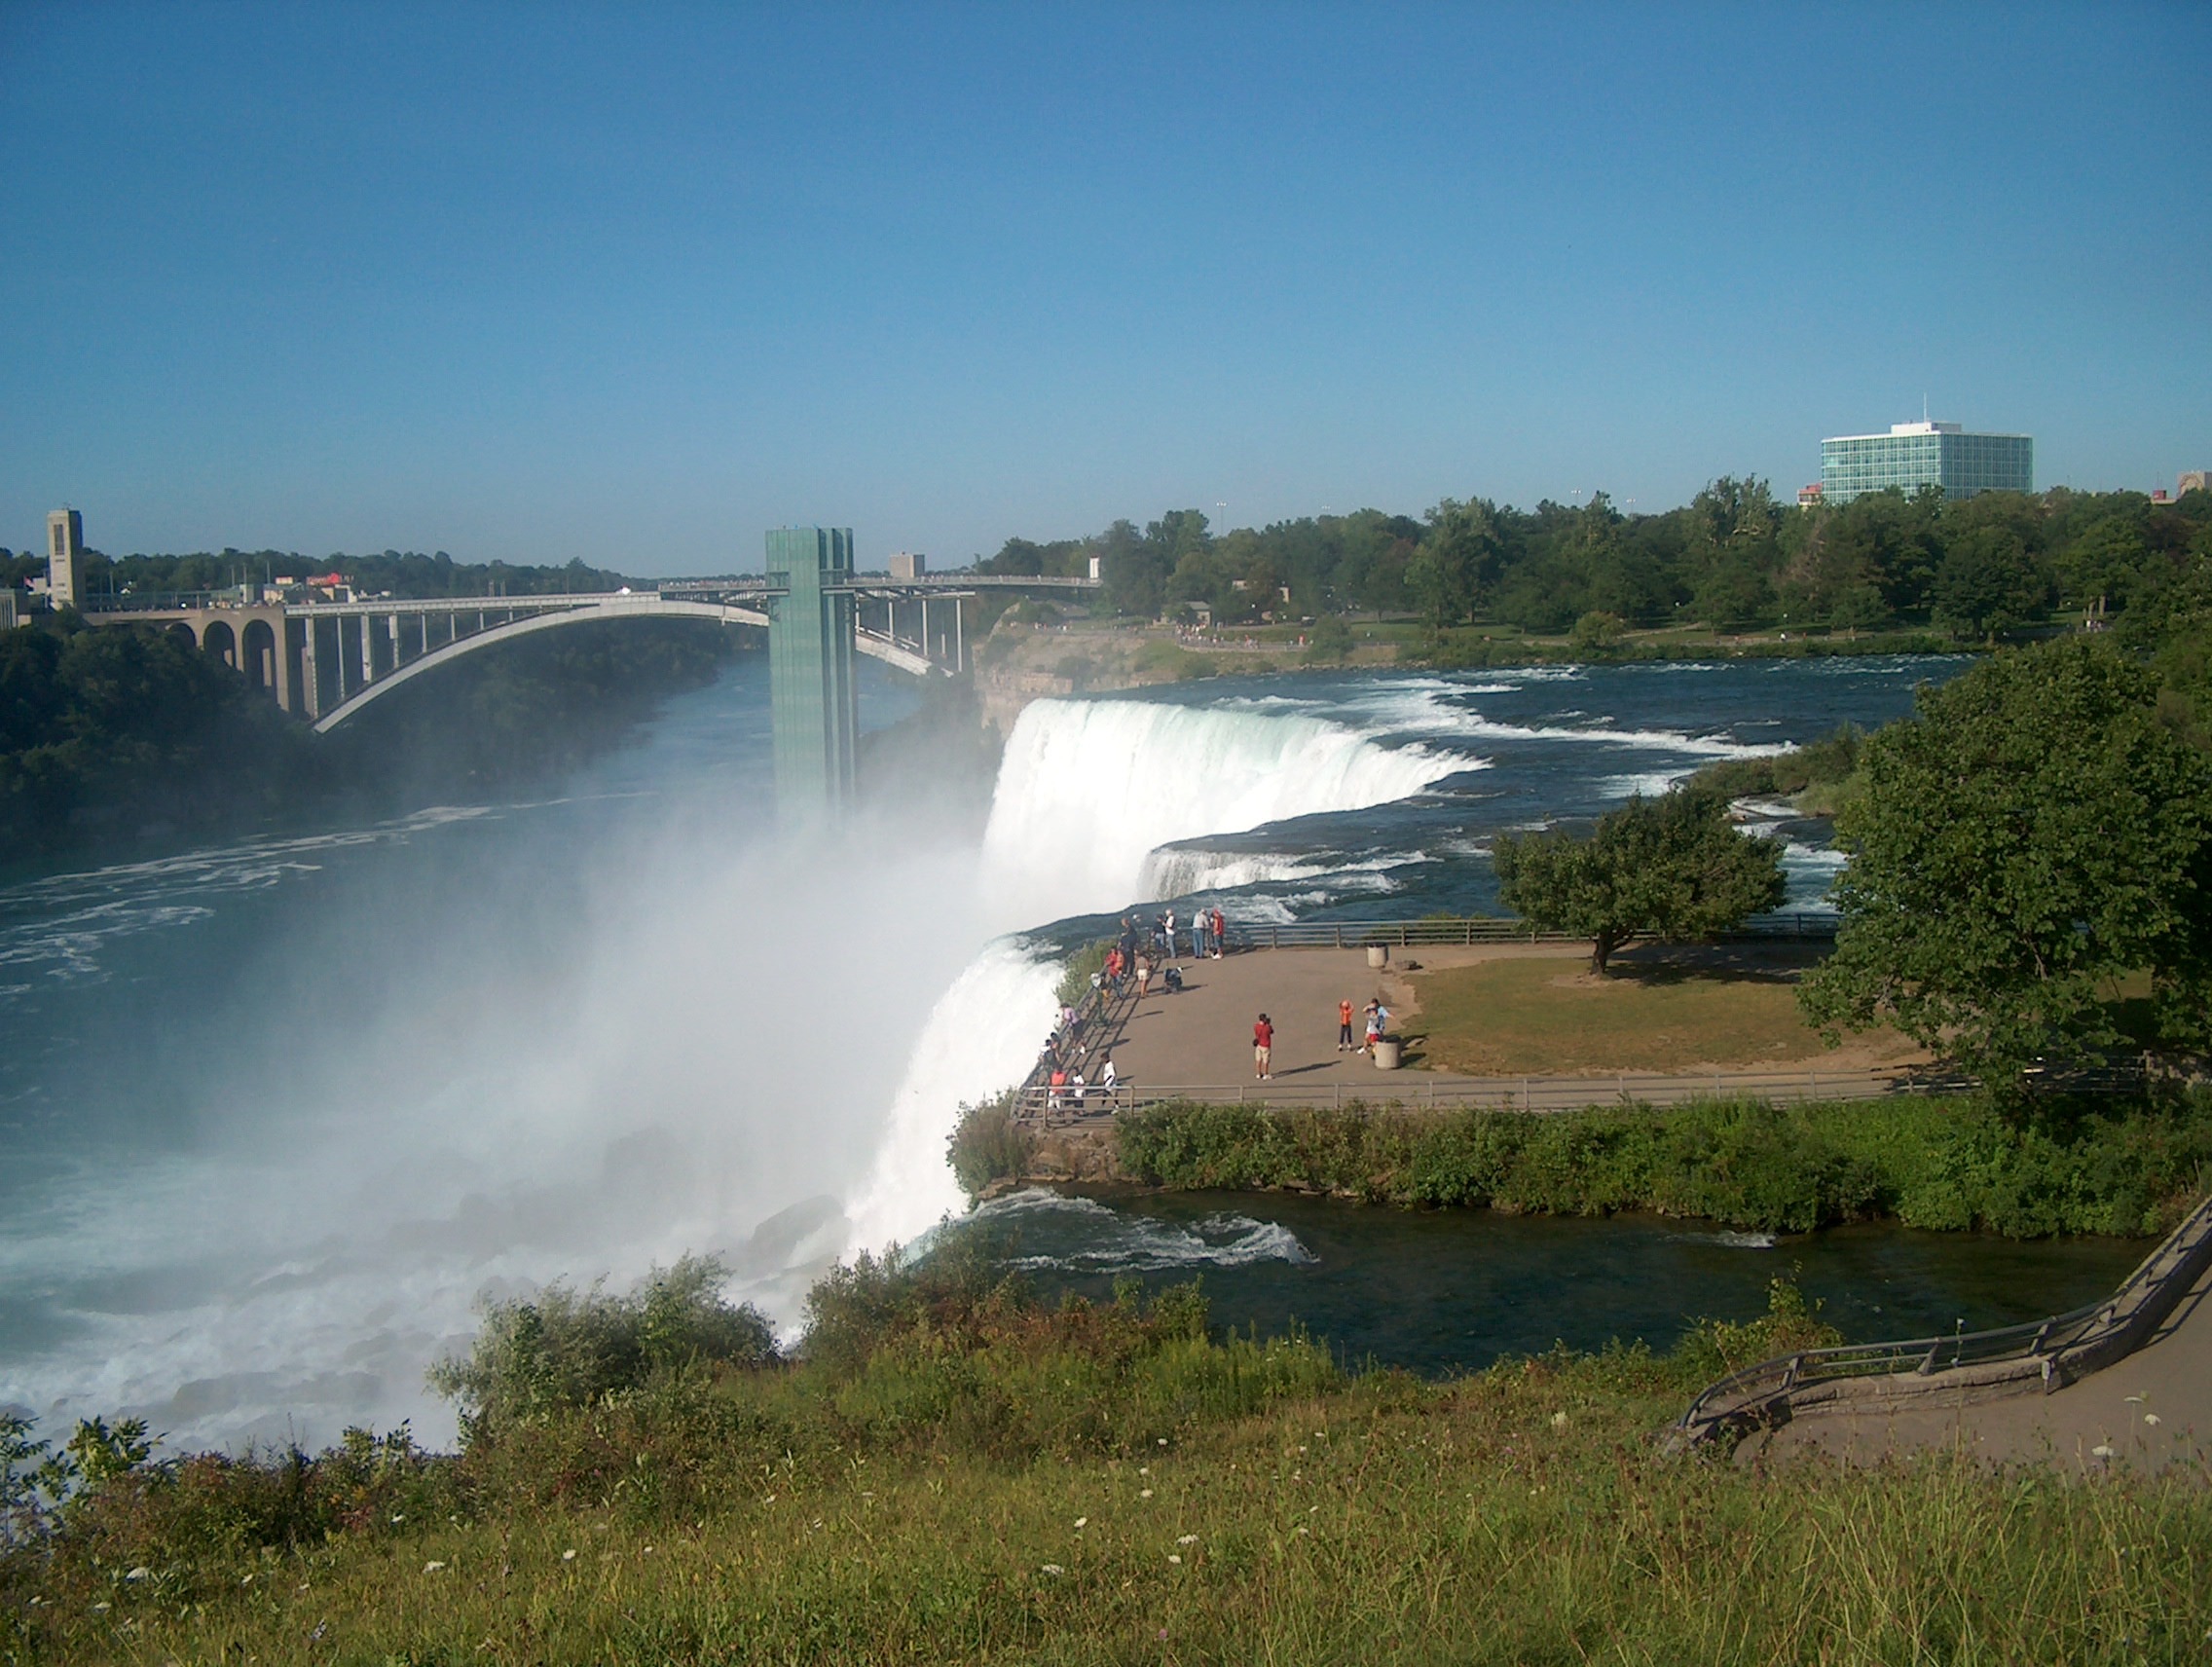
1203 1036
2151 1412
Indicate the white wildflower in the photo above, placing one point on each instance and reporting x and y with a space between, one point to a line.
1144 1493
1186 1540
432 1567
1081 1522
2151 1418
2100 1450
1559 1421
569 1555
1174 1557
1053 1568
138 1573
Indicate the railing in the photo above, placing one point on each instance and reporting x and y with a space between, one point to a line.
1441 930
2057 1351
1418 1091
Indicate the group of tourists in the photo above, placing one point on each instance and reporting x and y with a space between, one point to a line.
1377 1024
1208 933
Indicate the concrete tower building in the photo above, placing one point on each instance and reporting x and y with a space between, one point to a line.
65 558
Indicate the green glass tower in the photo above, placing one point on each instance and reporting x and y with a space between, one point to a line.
810 672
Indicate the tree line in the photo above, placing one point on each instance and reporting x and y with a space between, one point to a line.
1733 558
408 575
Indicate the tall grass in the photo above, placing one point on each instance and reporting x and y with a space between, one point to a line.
1109 1484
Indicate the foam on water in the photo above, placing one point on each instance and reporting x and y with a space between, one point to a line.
1088 788
1104 1241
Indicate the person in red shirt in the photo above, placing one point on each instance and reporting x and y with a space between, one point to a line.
1343 1025
1263 1045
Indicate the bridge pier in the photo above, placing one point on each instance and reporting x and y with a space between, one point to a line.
813 702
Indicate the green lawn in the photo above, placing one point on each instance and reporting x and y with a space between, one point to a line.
1506 1018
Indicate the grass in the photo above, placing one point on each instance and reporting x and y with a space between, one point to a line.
784 1515
1509 1017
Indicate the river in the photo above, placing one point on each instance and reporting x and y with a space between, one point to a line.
275 1116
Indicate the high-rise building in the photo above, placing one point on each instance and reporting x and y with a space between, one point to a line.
65 558
1914 454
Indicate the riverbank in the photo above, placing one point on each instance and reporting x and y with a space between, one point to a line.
957 1474
2101 1166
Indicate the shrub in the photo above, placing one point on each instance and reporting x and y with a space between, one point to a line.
2091 1167
568 1348
988 1145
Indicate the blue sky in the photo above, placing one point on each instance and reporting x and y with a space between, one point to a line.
633 283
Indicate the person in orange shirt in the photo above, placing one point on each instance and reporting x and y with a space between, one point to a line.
1263 1046
1343 1025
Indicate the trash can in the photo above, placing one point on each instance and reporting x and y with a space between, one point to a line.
1379 954
1386 1056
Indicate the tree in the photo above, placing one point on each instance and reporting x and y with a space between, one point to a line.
2030 834
1669 867
1988 582
1457 561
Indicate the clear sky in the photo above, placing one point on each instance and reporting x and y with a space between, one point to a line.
633 282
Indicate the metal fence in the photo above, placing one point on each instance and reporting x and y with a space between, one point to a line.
2057 1349
1420 1092
1469 930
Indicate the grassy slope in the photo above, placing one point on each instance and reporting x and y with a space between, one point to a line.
1522 1515
1504 1018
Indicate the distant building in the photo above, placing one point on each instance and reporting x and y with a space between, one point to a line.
1809 496
65 558
904 565
1914 454
2192 480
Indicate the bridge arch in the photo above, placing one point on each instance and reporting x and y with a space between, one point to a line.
257 653
216 637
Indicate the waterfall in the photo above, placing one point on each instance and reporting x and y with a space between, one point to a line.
1088 788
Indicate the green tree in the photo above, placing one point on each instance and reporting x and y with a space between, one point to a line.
1669 867
1457 561
1988 583
2030 834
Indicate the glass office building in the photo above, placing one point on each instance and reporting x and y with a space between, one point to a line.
1914 454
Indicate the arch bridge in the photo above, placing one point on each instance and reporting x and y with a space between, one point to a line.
327 661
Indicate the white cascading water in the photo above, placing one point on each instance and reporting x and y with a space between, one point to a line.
1088 788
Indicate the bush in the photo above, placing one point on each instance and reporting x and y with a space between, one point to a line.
2113 1168
987 1145
568 1349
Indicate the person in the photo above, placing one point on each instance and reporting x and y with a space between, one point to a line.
1075 1086
1374 1027
1343 1025
1173 980
1263 1046
1109 1078
1167 932
1199 923
1217 931
1058 1088
1144 975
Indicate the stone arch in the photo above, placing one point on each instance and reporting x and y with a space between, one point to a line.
257 653
183 628
218 639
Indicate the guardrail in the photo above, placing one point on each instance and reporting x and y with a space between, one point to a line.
2057 1351
1415 1091
1480 929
